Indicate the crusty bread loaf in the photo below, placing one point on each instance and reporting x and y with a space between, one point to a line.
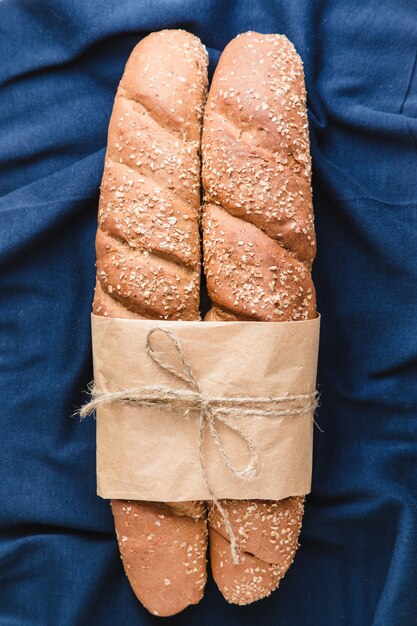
259 246
148 265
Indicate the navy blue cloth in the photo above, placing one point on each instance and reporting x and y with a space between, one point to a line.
60 63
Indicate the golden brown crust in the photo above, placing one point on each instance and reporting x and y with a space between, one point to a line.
148 266
259 246
146 284
267 535
256 159
163 549
251 275
148 248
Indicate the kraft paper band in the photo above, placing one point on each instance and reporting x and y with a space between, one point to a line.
149 450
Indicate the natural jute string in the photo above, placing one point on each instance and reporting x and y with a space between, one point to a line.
211 410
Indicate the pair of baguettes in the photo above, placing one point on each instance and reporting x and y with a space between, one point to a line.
259 246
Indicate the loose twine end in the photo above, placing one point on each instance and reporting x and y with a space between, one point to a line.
212 411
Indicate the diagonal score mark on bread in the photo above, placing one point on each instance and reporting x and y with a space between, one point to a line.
259 246
148 266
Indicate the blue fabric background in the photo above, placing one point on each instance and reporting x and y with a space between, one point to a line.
60 63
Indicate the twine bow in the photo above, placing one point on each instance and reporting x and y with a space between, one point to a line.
211 410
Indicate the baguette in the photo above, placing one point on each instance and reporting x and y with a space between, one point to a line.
148 266
259 246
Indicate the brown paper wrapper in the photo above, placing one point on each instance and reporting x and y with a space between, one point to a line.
151 453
